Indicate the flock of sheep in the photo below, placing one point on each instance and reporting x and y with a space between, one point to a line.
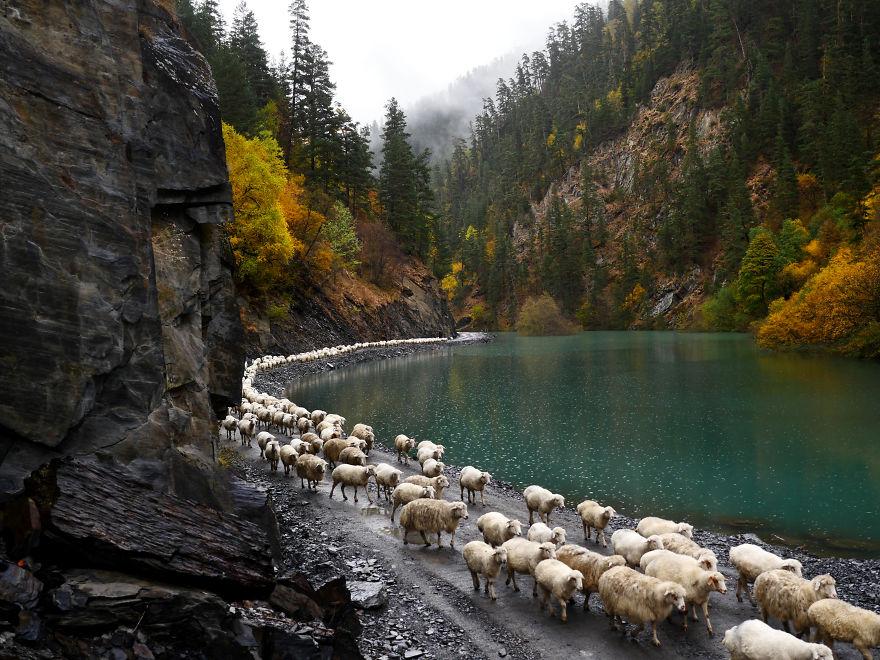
655 569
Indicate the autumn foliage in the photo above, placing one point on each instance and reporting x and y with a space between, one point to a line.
540 316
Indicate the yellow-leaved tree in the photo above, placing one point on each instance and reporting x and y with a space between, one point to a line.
261 241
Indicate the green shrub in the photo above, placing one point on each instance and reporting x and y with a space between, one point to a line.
541 316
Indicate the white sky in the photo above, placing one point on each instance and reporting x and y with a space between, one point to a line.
408 48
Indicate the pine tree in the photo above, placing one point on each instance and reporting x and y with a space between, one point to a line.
397 184
244 43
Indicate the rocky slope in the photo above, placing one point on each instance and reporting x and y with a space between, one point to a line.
657 133
120 328
348 310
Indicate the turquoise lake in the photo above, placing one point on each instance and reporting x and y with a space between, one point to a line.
699 427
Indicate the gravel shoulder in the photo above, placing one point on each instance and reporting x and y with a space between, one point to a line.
432 610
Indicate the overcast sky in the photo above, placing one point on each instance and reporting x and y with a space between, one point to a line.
408 48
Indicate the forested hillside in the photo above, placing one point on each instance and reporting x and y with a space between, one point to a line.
679 163
318 238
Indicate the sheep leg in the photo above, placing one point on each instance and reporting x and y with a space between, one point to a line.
544 601
393 509
586 533
604 540
355 492
741 585
654 640
405 532
531 519
511 575
862 647
440 545
563 607
425 538
785 626
451 538
476 581
344 496
334 488
370 499
461 497
491 584
763 613
706 616
586 601
694 611
535 588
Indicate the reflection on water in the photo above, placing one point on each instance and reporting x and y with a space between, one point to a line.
696 426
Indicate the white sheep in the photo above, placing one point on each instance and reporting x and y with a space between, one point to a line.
837 621
273 454
403 445
752 560
633 545
438 483
352 456
755 640
543 501
627 594
263 439
540 533
653 526
591 564
405 493
595 516
229 425
333 448
365 433
387 478
288 456
680 545
787 597
482 559
522 557
247 428
433 516
697 582
335 419
318 416
312 469
558 580
315 444
329 434
498 528
432 468
425 453
473 480
353 475
303 424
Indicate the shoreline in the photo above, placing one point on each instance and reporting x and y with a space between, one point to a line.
858 579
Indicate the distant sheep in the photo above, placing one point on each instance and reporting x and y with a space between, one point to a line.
387 478
406 493
329 434
697 582
353 475
333 448
595 516
425 453
288 458
473 480
559 581
438 483
498 528
432 468
313 441
540 533
633 545
591 564
318 416
752 560
680 545
653 526
434 517
836 621
482 559
403 445
755 640
787 597
303 424
543 501
627 594
312 469
522 557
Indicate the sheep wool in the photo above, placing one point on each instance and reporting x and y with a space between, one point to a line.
595 516
559 581
752 560
653 526
697 583
591 564
432 468
433 516
543 501
680 545
755 640
406 493
540 533
633 545
438 483
352 475
484 560
787 597
473 480
522 557
310 468
837 621
627 594
404 446
498 528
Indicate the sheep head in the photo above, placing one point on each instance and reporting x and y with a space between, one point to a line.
686 530
825 586
558 536
500 556
371 470
428 492
558 501
514 527
459 510
576 580
792 565
485 478
708 561
607 514
615 560
716 582
674 595
654 542
442 481
548 550
821 652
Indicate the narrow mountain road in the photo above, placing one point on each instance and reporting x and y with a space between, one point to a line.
432 603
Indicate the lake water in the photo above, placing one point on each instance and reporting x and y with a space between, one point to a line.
699 427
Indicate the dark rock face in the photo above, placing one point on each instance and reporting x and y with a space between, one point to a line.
118 322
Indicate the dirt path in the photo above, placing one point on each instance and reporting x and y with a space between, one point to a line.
433 610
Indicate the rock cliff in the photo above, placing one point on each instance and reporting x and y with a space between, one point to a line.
119 327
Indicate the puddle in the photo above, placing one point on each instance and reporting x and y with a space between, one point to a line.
373 510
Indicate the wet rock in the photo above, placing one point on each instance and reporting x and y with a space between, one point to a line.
18 585
295 604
